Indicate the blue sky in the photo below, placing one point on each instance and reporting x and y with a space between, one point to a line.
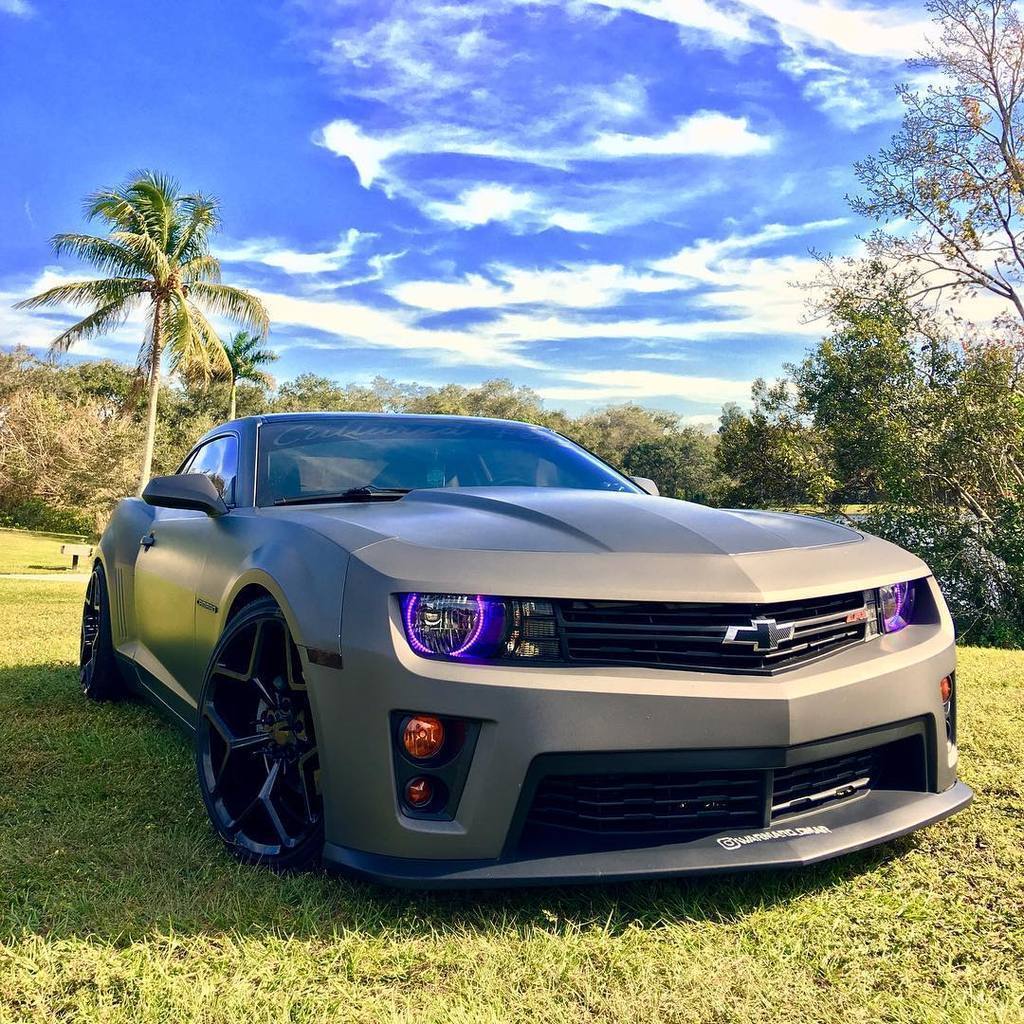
603 199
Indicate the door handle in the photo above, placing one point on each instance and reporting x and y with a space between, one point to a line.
148 540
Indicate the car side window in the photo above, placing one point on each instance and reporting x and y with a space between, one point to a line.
217 459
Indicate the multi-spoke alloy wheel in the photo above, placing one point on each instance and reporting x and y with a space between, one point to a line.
97 667
256 752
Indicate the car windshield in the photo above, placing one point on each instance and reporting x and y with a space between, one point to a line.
329 456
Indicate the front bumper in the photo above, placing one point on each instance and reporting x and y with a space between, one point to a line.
876 817
526 715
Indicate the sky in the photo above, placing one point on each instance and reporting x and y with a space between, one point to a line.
605 200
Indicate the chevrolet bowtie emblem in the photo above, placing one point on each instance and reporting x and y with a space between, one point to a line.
761 634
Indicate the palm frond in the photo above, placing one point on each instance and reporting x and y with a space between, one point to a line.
198 217
155 197
201 268
103 292
145 204
114 206
196 352
102 253
146 250
232 302
264 380
98 322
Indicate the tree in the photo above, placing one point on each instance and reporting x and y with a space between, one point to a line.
773 455
953 171
612 431
245 357
157 253
681 464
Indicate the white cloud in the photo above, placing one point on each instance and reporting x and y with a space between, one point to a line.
705 262
19 8
272 253
700 261
640 385
521 209
483 204
858 29
861 30
706 132
726 27
575 286
367 154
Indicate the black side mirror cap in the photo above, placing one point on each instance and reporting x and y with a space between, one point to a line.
194 491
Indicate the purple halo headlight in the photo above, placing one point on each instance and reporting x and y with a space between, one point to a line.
897 604
452 625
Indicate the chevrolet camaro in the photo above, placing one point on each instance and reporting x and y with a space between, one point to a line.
448 651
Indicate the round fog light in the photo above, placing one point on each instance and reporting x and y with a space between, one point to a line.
418 792
423 736
945 689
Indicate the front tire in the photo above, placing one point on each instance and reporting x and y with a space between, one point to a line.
256 753
98 672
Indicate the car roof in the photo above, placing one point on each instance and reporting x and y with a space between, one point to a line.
247 422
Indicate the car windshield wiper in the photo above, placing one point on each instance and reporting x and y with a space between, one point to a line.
367 493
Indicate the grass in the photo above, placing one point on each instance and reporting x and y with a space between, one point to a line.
21 551
117 904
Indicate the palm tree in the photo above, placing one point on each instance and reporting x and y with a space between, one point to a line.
245 358
158 254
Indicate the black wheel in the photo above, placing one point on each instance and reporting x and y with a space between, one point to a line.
256 752
97 667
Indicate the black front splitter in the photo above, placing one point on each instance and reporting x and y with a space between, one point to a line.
875 817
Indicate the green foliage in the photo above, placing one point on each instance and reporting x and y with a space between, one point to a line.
980 567
103 403
157 253
246 355
773 457
681 463
37 514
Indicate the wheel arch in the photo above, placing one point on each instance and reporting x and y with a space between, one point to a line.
250 586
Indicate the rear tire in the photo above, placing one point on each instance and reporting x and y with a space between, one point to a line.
98 672
257 759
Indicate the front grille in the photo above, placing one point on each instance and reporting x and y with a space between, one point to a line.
668 802
809 786
595 810
715 637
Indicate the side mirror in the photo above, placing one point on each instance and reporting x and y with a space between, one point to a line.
194 491
647 485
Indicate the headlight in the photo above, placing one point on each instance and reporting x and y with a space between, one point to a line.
897 604
476 627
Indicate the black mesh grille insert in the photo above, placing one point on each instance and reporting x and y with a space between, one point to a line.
667 802
622 809
814 785
750 638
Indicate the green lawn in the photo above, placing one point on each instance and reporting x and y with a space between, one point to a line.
21 551
117 904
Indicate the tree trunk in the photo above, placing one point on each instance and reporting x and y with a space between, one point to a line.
234 389
154 391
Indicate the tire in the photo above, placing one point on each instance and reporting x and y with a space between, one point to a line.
98 671
256 753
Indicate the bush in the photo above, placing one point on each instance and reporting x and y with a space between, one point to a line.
979 567
34 514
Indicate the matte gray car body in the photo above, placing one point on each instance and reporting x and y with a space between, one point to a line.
335 570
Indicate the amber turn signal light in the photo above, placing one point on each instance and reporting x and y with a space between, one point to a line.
945 689
423 736
418 792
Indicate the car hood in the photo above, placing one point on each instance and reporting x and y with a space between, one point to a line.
571 521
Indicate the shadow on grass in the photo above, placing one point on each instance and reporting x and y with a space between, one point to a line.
103 834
